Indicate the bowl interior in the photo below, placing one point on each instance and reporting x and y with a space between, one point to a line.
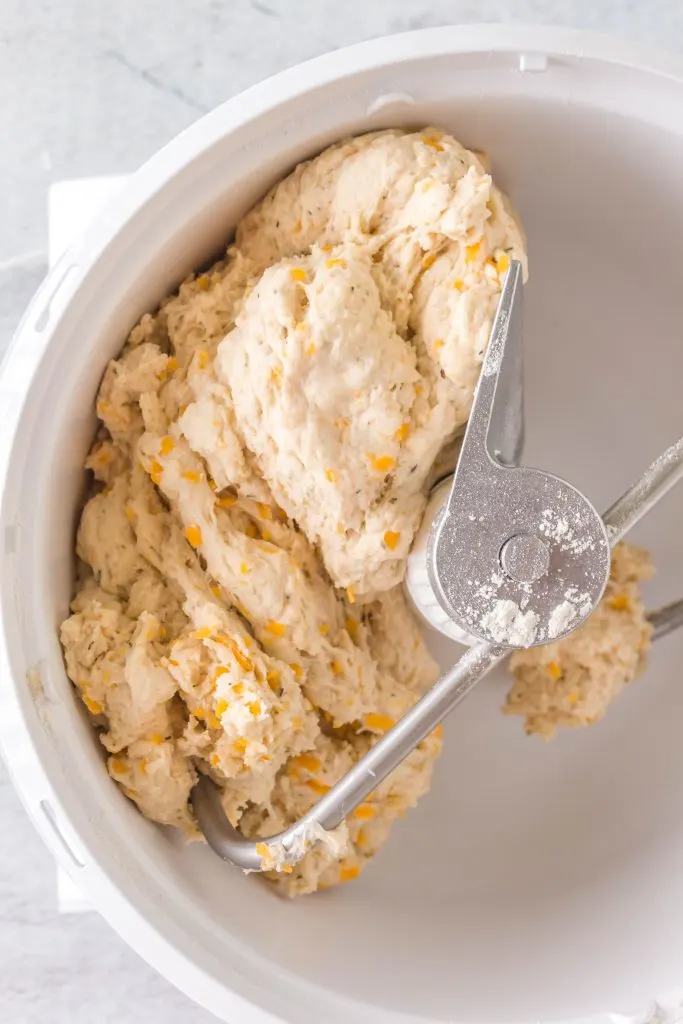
528 863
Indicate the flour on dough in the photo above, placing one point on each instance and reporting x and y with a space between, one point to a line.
572 682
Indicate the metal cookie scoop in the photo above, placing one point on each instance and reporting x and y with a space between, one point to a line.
515 558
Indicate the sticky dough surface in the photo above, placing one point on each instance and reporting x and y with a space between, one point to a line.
262 463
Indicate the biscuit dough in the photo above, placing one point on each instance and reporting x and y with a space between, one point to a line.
260 470
572 682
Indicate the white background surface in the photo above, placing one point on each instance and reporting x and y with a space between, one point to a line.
94 89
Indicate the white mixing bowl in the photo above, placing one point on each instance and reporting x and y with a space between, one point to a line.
535 880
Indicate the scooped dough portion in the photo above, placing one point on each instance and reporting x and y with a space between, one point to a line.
262 463
573 682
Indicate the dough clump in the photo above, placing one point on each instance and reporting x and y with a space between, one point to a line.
262 463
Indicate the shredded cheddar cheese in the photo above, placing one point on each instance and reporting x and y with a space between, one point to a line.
194 536
382 463
364 812
273 679
321 788
378 723
433 141
351 872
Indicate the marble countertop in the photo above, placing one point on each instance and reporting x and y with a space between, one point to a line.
94 88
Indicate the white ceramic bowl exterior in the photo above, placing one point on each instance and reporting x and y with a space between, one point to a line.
535 881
